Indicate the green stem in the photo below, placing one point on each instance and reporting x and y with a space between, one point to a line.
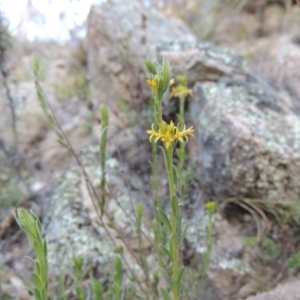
159 114
170 172
174 224
206 255
181 150
181 111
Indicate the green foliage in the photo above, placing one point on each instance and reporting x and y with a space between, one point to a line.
75 84
43 102
167 229
161 79
78 263
10 195
61 290
293 263
117 291
211 208
31 225
103 142
251 241
269 249
129 113
97 288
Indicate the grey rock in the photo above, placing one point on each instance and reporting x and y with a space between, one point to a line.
121 36
203 61
247 143
287 291
71 225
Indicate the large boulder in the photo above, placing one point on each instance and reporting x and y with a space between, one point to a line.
287 291
121 36
72 226
248 141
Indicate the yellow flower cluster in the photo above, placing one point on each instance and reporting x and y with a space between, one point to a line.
211 207
169 134
181 91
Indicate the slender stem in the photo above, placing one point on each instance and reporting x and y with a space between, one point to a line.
174 224
159 112
181 111
206 255
181 150
170 172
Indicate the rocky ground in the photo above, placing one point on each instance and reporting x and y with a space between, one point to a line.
245 154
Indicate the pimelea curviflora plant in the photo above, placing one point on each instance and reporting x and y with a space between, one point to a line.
170 134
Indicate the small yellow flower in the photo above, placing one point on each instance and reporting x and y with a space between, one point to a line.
153 83
172 81
169 134
153 133
184 133
211 207
181 91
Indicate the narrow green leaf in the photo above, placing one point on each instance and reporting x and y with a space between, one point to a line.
180 278
175 175
165 294
151 67
37 294
119 271
167 277
45 249
97 288
166 71
37 281
183 235
139 212
171 248
165 157
164 218
167 252
119 250
175 206
160 89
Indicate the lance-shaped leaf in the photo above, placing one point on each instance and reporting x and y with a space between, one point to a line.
151 67
165 157
164 218
175 175
166 251
166 73
180 278
183 235
167 277
165 294
175 206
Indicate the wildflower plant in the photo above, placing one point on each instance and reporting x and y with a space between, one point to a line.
170 135
167 229
31 225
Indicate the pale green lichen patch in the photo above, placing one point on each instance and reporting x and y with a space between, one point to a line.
68 229
70 223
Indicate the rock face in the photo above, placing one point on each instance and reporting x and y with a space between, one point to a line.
202 61
248 143
289 291
71 225
121 36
